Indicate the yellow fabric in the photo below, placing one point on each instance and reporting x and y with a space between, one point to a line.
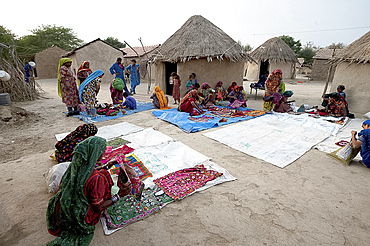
161 98
61 63
267 106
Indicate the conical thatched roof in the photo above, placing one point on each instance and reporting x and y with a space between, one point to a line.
274 50
199 38
357 52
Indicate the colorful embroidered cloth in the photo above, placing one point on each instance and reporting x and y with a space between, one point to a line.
128 209
116 153
138 167
202 118
181 183
117 142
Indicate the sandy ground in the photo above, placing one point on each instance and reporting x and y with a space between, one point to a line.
313 201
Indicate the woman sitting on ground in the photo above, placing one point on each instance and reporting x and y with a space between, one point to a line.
236 94
272 86
283 105
116 90
84 193
188 102
336 107
88 91
64 148
207 93
160 101
231 87
221 93
363 141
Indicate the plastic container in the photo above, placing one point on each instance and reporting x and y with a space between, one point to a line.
4 76
32 64
5 99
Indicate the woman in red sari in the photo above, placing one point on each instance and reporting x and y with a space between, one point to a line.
176 87
83 72
188 102
272 86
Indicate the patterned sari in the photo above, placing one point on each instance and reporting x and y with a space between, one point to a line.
161 99
67 88
186 102
272 85
83 73
176 88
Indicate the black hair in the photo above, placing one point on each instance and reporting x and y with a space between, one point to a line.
125 94
341 87
133 60
173 74
196 85
194 75
266 72
119 59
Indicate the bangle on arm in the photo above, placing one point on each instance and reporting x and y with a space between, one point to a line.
115 198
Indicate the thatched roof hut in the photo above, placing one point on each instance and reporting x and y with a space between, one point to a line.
353 71
272 54
203 48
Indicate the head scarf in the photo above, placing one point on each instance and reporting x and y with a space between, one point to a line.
67 210
190 94
274 80
82 68
367 122
203 85
61 63
91 77
161 98
288 93
118 84
219 84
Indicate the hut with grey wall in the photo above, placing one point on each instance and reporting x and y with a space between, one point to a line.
202 48
353 71
321 65
272 54
47 62
99 54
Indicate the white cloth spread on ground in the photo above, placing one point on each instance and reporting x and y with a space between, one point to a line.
110 131
279 142
328 145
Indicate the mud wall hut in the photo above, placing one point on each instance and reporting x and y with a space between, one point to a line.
321 64
272 54
353 71
99 54
199 47
47 62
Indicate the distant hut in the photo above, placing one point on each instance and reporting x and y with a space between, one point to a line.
353 71
100 55
272 54
200 47
321 64
47 62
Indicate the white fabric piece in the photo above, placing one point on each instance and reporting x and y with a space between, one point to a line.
166 158
328 145
146 138
110 131
54 175
367 115
321 123
226 177
277 142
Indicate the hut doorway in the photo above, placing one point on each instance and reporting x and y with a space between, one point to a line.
264 67
169 67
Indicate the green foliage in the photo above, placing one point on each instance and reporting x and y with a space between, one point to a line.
7 38
115 42
45 36
308 52
336 46
296 46
245 47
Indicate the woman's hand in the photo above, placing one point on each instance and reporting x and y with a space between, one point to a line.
124 191
353 133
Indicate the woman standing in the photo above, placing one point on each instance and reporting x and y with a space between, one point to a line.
67 88
84 193
133 70
272 86
83 72
176 87
88 91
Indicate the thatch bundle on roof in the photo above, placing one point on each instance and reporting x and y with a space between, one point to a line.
200 38
357 52
274 50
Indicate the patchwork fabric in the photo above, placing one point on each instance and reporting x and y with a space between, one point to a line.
122 151
181 183
128 210
117 142
138 167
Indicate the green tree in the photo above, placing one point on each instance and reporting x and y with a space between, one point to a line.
308 52
7 38
45 36
296 46
245 47
336 46
115 42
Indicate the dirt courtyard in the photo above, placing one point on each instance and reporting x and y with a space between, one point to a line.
313 201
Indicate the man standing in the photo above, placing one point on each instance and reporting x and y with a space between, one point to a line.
133 70
118 69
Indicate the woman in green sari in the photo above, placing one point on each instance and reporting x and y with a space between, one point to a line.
84 192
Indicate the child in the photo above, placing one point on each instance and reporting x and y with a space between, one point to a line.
194 79
130 102
176 87
190 82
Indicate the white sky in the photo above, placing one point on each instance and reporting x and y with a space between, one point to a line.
251 22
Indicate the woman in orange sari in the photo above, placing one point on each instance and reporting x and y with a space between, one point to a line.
160 101
272 86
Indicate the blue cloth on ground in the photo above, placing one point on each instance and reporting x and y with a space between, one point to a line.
141 106
181 120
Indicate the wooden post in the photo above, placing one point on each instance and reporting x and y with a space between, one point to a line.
328 78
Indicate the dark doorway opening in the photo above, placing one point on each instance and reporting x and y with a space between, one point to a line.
170 67
264 67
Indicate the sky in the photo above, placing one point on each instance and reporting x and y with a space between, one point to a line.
252 22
